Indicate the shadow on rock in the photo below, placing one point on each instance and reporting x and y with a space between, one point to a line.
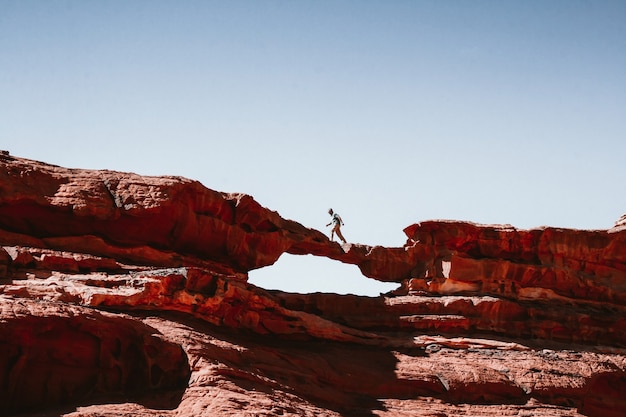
70 356
346 378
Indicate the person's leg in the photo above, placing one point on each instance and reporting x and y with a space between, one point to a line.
332 232
340 235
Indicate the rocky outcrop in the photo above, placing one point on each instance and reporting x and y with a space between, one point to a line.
580 266
128 295
53 353
166 221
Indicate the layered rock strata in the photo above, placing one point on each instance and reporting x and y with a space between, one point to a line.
128 295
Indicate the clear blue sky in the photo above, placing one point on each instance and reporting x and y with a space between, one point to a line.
391 112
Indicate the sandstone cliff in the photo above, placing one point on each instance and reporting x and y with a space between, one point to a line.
128 295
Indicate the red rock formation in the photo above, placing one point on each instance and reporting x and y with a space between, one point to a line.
127 295
54 353
580 266
166 221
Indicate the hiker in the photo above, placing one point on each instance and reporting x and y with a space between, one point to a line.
337 223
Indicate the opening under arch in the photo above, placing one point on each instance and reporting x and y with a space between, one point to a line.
308 274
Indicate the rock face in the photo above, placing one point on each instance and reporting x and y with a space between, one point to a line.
128 295
53 353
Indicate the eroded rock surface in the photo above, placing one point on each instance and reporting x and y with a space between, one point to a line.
55 353
128 295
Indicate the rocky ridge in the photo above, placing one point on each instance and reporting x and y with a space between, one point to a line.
127 295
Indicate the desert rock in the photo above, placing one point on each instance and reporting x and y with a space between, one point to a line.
128 295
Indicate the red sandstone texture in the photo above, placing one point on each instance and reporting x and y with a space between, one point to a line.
128 295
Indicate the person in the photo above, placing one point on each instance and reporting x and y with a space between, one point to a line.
337 223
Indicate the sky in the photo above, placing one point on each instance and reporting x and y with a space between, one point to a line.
390 112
